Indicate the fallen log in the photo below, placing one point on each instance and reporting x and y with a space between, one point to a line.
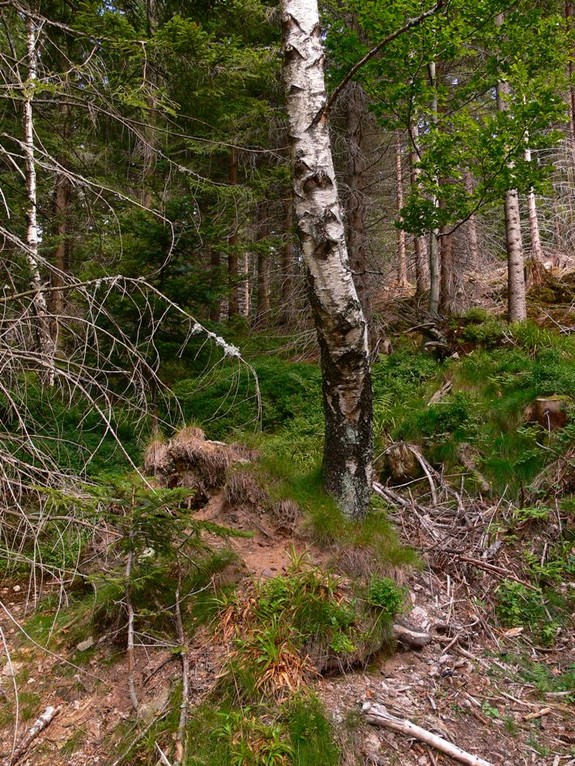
414 639
37 728
377 715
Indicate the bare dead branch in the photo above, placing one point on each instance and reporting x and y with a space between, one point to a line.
377 715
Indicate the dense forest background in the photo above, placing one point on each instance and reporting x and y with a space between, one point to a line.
163 393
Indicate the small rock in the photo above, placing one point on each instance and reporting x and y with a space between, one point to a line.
11 669
17 588
85 645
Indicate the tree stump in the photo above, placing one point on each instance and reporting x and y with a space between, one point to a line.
549 411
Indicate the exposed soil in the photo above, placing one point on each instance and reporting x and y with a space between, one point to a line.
465 685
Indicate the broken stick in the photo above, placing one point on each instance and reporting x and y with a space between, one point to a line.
377 715
37 728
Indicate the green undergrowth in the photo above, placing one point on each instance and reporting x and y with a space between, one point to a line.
555 676
155 558
225 400
281 632
289 468
68 429
543 601
296 732
288 629
491 387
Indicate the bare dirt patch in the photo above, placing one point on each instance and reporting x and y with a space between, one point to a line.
468 685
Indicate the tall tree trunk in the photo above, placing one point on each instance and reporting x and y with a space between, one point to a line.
434 271
446 298
215 276
401 247
61 252
516 290
43 336
233 259
471 228
356 116
288 257
537 267
419 243
243 286
434 252
338 316
263 295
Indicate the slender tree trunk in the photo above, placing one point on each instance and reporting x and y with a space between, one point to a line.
447 273
434 271
471 228
357 116
233 259
43 336
534 231
288 264
516 290
337 312
401 246
434 252
61 252
419 243
263 286
263 269
516 297
243 286
215 276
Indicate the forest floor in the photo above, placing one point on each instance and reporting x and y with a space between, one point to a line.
486 689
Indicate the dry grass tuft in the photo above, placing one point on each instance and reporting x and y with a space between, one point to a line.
190 460
357 562
243 490
286 515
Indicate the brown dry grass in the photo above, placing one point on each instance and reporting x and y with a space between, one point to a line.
190 460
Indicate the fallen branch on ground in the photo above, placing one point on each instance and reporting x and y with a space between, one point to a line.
415 639
37 728
185 657
377 715
492 568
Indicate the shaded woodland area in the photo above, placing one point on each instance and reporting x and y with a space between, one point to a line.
287 348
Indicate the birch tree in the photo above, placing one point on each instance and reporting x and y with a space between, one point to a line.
516 289
339 320
44 342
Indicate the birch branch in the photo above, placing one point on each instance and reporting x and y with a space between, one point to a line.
37 728
377 715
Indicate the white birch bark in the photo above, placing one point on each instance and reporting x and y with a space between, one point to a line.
44 341
516 289
471 227
339 320
434 254
419 243
534 232
401 248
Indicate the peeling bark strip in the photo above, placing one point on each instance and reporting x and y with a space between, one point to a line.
338 317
